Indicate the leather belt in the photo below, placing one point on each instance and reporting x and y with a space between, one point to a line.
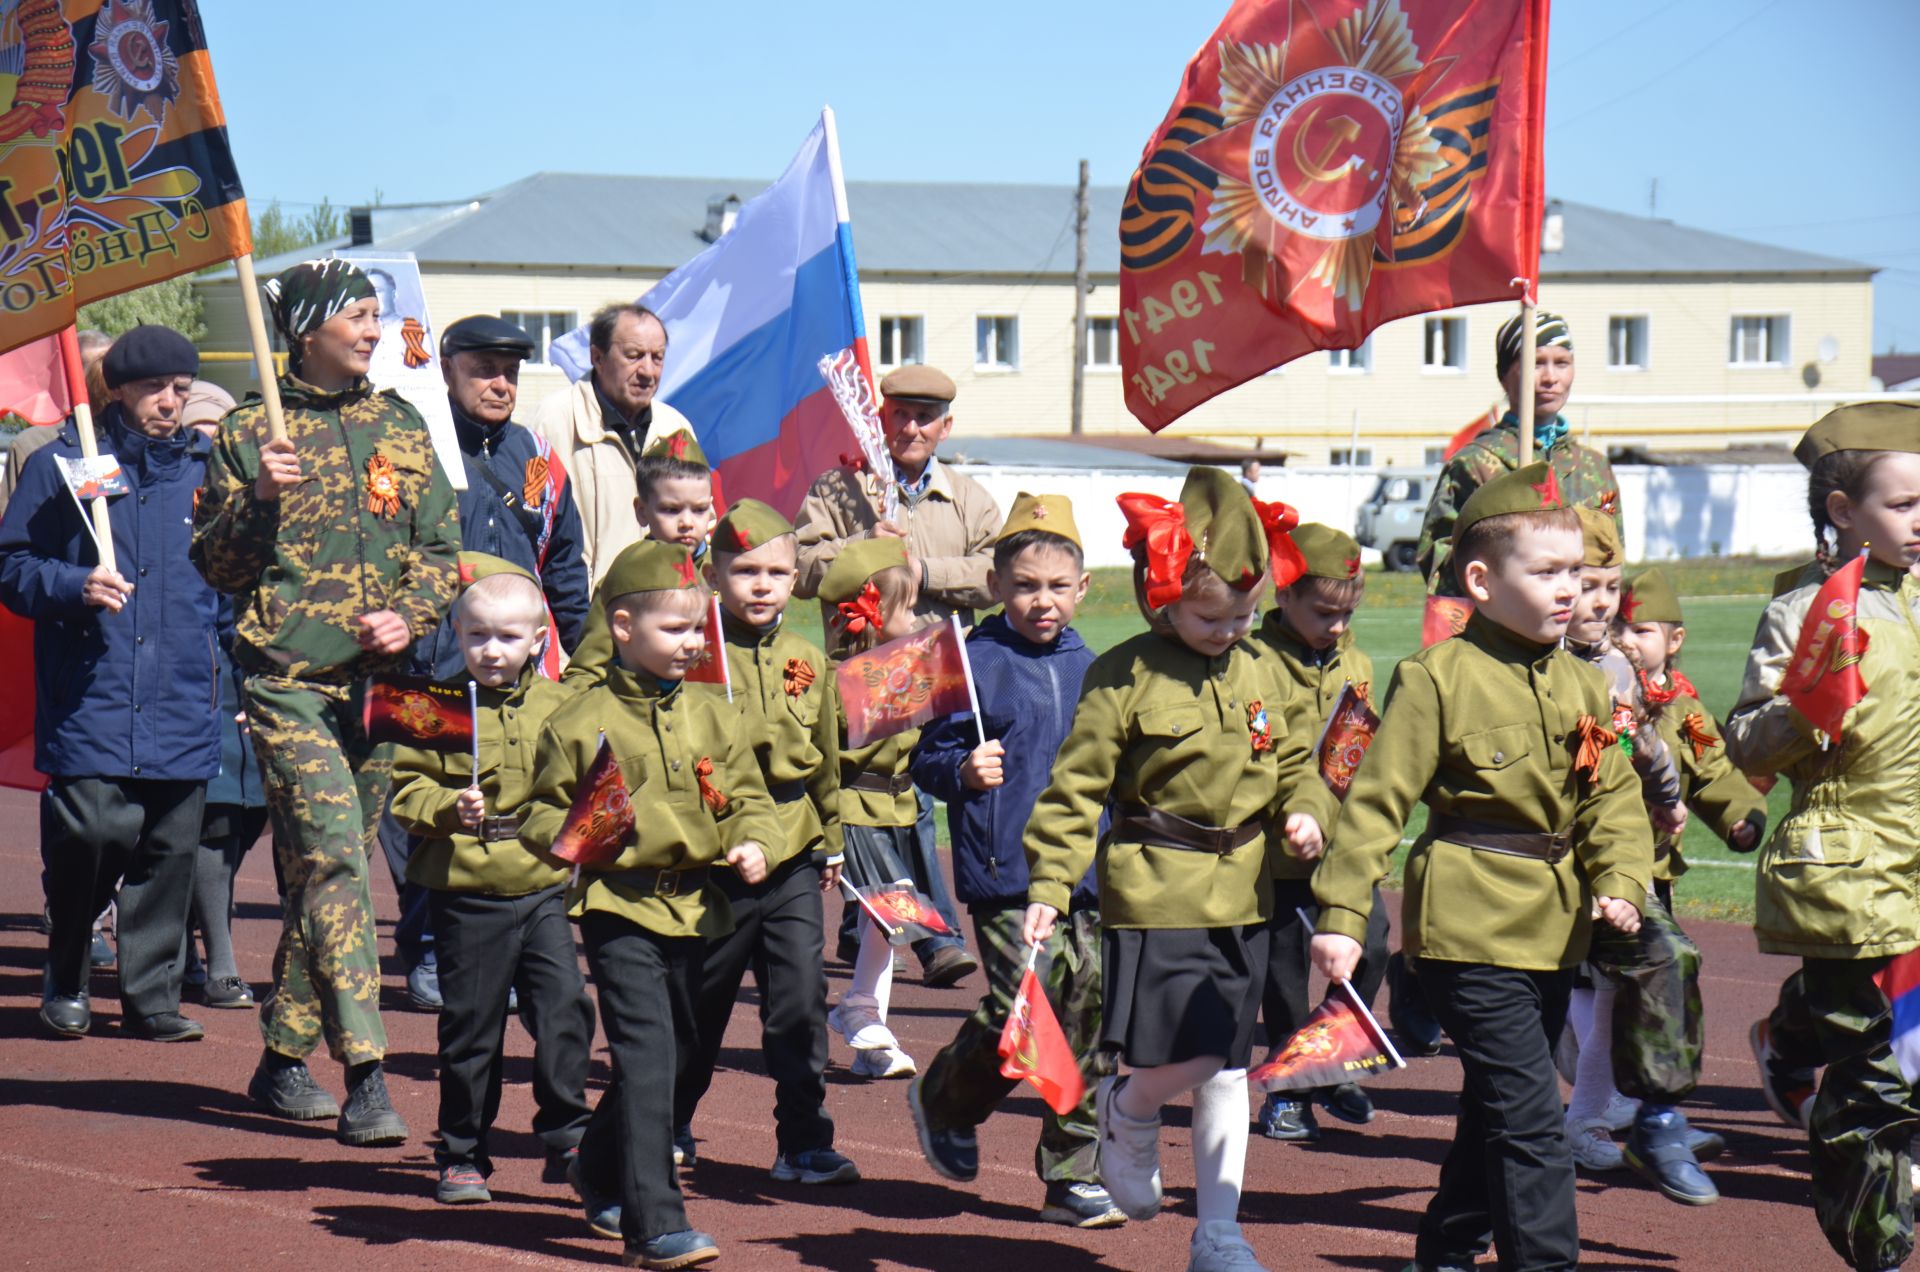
787 792
897 784
1548 846
1135 824
494 830
661 883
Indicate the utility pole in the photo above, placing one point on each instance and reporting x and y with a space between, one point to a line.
1080 302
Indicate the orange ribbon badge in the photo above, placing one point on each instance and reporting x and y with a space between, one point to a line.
383 486
533 487
799 677
1694 732
414 336
1595 738
709 793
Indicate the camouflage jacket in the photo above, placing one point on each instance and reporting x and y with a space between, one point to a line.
302 568
1585 477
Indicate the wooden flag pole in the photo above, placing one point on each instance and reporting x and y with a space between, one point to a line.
262 349
1528 375
83 424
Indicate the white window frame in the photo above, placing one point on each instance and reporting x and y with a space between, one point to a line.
1114 320
1646 342
1335 452
1433 456
1004 365
543 342
1364 353
1776 358
1458 322
885 318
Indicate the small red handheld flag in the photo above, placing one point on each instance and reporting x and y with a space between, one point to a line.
1344 742
1824 680
904 683
600 820
901 912
711 668
1032 1046
414 711
1340 1042
1445 617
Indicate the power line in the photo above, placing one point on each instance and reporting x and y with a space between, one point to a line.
1692 57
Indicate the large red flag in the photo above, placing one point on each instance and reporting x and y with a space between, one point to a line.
904 683
1445 617
1329 165
600 820
1824 680
33 383
1032 1046
16 704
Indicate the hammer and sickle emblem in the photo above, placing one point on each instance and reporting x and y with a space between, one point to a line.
1345 132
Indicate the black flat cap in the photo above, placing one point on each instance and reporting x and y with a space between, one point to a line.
483 331
147 353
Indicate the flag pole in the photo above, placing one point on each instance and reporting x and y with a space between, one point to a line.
89 446
860 900
1524 407
966 668
473 710
262 350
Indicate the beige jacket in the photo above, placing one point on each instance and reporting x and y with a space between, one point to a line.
598 468
950 533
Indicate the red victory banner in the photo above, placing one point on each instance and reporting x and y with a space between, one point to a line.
904 683
1329 165
901 912
711 667
115 170
414 711
1344 742
1824 680
1445 617
1033 1046
600 820
1340 1042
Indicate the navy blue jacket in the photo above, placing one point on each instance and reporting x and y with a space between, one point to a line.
488 523
1027 695
133 694
238 783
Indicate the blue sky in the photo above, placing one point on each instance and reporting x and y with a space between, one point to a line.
1778 120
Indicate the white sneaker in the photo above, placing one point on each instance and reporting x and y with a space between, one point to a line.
1593 1148
885 1062
857 1020
1129 1155
1219 1247
1621 1110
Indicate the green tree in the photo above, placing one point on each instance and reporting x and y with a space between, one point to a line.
169 304
278 231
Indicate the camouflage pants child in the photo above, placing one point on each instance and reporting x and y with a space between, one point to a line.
1658 1026
325 790
963 1085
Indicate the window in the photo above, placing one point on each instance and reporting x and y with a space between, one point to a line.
996 343
1103 343
1434 455
902 341
1342 457
1352 361
1446 344
1627 343
545 327
1759 340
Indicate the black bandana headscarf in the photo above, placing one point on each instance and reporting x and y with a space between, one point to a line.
310 293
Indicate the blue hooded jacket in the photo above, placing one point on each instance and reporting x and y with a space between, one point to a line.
1028 693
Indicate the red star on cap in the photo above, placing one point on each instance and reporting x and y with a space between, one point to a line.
1549 490
466 572
1629 606
742 538
1039 512
1353 566
684 568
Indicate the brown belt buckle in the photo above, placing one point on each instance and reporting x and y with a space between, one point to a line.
1558 845
666 883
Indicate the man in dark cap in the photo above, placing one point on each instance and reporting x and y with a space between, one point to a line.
518 506
126 717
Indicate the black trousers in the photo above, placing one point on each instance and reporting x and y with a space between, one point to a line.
1283 999
99 832
489 944
778 934
646 983
1509 1174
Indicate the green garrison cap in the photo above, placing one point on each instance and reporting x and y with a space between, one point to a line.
749 524
679 444
475 566
1225 529
1602 539
649 566
1330 554
1869 426
858 562
1651 599
1050 513
1530 489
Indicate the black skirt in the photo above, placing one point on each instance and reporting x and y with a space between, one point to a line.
876 855
1173 994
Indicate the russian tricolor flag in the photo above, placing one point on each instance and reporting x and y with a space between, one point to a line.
1900 982
748 321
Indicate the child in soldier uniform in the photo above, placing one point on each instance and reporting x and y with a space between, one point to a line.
785 700
1534 823
674 499
1028 663
1309 631
1184 728
498 913
647 916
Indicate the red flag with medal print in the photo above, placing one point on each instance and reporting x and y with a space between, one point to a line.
904 683
599 822
1033 1047
1340 1042
711 667
1823 680
1328 166
1344 742
415 711
1444 618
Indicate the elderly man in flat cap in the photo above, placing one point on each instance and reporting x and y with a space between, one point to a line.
949 522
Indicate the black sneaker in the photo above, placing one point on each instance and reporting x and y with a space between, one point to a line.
815 1166
229 992
283 1087
953 1154
1289 1120
603 1213
164 1026
369 1120
558 1160
461 1184
1074 1204
672 1250
100 955
685 1155
1347 1102
1656 1149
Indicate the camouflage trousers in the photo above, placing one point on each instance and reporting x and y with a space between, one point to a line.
1862 1120
1791 1029
963 1085
1658 1028
325 790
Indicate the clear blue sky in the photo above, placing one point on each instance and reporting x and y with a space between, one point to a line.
1780 120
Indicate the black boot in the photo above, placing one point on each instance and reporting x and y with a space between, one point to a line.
368 1120
282 1086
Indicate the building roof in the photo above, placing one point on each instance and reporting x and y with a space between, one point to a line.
600 223
1053 454
1897 368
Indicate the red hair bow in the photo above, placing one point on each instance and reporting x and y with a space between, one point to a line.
1278 520
1161 525
863 611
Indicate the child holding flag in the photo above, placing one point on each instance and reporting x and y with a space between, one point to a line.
498 911
1827 702
1184 729
639 749
1028 663
787 706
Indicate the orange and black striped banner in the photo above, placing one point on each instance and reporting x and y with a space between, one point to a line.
115 170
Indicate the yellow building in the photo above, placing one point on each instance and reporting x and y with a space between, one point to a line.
1685 339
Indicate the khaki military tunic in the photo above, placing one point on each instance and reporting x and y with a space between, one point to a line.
1483 726
1713 790
886 758
1320 676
